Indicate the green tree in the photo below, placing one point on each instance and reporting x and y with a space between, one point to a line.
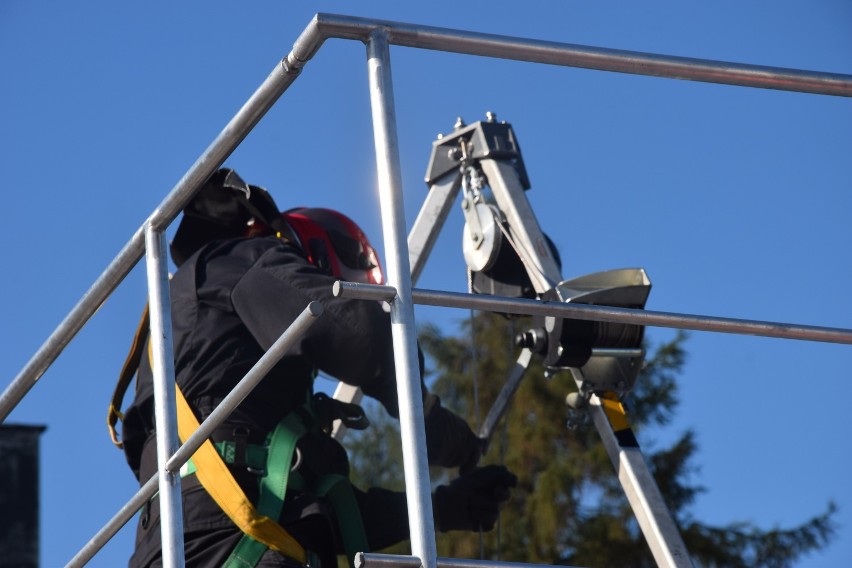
569 507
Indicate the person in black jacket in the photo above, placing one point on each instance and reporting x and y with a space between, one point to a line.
231 299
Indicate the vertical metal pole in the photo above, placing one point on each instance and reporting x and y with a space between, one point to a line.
418 490
165 409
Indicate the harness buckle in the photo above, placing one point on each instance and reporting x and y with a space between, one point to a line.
297 459
241 435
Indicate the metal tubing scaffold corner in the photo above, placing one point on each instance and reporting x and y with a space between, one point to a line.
378 35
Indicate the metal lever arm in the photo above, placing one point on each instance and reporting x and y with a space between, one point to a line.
498 409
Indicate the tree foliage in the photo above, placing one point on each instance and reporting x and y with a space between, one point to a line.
569 507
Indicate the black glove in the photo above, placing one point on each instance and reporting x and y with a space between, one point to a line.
471 502
449 440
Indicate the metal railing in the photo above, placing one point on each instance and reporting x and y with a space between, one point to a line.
379 36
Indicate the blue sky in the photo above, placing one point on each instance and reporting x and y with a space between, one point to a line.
736 201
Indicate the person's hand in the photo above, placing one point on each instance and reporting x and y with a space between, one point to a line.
472 501
449 440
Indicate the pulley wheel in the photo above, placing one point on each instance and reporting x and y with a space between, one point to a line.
480 254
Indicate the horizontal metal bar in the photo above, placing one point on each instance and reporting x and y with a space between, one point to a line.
373 560
570 55
617 352
242 389
640 317
345 289
609 314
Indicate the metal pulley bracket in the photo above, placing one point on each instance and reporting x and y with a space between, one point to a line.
486 153
482 140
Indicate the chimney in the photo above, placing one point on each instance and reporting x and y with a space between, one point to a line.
19 495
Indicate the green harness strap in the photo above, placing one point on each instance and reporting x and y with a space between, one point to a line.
253 455
276 458
273 489
339 491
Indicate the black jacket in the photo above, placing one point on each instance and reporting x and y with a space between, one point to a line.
230 301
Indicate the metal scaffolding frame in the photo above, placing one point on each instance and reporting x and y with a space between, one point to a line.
378 36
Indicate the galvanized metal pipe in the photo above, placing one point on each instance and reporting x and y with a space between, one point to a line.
605 313
373 560
413 433
570 55
641 317
324 26
165 408
242 389
376 292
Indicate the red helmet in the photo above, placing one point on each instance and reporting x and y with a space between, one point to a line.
334 243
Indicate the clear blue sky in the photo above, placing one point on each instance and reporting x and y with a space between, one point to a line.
736 201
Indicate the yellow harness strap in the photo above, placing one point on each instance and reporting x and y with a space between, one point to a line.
211 470
217 480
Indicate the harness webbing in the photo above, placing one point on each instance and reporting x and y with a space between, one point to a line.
273 487
339 491
211 470
209 464
128 371
217 480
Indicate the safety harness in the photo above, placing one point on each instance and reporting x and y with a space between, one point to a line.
260 529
